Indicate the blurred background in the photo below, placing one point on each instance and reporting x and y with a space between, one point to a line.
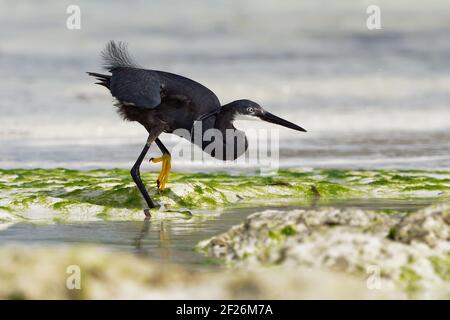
369 98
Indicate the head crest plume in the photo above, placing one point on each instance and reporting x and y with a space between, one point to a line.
115 55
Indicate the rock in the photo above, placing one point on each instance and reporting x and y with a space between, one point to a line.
270 228
43 273
430 225
63 195
415 258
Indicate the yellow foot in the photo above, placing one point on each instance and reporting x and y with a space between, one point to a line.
165 170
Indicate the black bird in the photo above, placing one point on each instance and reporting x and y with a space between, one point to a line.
165 102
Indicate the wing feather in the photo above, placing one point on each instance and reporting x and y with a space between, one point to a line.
141 88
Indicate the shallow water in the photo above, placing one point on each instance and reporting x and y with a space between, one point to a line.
167 240
401 150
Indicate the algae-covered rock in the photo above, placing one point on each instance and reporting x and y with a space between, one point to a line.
430 225
72 195
50 273
403 253
272 228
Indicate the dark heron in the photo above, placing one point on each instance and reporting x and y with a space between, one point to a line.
165 102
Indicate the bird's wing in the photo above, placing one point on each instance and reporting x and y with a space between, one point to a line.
137 87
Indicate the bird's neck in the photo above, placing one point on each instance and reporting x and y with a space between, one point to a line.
234 142
225 118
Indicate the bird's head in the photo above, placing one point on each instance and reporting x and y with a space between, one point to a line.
244 109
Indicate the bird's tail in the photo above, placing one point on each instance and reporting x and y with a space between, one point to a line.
115 55
103 79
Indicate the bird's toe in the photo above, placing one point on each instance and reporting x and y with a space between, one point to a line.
165 170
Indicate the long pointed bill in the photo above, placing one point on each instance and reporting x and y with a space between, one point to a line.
267 116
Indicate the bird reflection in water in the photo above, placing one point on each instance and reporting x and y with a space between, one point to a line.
164 243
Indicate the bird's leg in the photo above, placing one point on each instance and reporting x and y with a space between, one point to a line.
166 165
135 173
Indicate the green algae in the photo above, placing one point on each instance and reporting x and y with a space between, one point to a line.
441 266
7 209
107 190
288 230
275 236
410 280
